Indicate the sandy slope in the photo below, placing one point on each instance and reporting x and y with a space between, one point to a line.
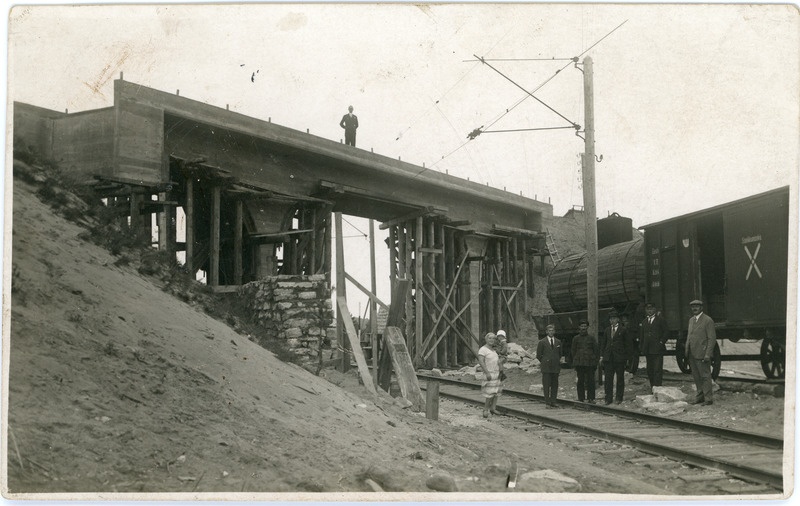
116 386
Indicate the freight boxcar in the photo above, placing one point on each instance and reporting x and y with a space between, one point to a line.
733 257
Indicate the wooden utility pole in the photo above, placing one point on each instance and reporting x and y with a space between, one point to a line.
589 207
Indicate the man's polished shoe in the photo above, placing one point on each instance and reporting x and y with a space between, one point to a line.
696 401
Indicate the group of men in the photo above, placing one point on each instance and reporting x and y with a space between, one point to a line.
619 346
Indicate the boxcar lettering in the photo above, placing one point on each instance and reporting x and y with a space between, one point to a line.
752 238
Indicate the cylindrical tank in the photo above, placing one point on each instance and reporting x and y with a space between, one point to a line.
620 278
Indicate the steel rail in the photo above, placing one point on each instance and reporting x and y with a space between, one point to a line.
744 472
733 435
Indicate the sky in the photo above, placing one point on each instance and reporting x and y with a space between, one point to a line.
695 105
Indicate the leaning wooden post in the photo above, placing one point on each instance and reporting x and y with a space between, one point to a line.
432 399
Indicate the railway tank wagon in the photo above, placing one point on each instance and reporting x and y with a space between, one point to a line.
733 257
620 285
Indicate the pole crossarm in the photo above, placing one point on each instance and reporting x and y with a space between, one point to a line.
574 125
368 293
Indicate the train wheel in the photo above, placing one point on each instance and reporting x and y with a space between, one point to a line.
716 362
680 356
773 358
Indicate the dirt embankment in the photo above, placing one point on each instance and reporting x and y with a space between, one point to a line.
116 386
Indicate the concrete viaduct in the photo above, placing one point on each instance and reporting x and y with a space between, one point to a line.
260 199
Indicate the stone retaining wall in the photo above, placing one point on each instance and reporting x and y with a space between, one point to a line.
296 309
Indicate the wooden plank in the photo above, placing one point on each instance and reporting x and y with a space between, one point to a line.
373 308
190 227
341 293
279 234
447 297
413 215
439 268
373 298
392 257
313 247
213 276
516 231
237 244
394 319
418 238
508 309
355 344
409 307
452 324
403 368
432 399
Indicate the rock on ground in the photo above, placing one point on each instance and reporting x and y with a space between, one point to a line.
547 480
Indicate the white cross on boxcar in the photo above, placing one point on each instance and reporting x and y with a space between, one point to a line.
752 261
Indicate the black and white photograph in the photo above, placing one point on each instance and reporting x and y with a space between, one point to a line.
408 252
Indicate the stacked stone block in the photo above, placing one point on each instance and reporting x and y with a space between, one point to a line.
294 308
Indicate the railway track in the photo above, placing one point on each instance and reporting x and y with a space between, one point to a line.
746 456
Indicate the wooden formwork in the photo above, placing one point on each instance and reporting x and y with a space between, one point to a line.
438 322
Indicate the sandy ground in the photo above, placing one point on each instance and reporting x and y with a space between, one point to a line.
115 386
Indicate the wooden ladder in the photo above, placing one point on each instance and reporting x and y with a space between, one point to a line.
551 247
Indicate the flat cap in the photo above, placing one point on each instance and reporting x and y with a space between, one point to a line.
696 302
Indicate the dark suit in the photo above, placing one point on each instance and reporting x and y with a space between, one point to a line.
615 348
585 352
349 123
550 363
700 346
652 344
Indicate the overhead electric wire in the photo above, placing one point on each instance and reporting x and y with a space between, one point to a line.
521 59
355 227
525 129
436 102
573 59
528 93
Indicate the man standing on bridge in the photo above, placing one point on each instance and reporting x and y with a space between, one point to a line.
699 349
350 124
